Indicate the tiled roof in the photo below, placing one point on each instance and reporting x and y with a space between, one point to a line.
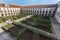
40 6
1 5
14 6
33 6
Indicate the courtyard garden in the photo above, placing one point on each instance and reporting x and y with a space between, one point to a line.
40 22
30 35
13 29
23 33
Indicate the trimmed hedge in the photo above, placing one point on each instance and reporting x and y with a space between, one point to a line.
14 17
39 22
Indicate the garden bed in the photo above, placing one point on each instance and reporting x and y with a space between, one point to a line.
13 29
40 22
26 35
29 35
6 27
16 30
41 37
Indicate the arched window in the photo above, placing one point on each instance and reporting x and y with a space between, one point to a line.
43 11
46 11
6 14
4 10
40 11
2 15
37 11
8 10
49 11
53 11
1 11
9 14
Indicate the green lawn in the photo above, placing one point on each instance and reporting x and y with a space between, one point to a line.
6 27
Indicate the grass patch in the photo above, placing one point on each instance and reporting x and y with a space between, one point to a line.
6 27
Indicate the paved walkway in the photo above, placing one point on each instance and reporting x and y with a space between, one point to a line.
38 30
56 28
6 36
23 18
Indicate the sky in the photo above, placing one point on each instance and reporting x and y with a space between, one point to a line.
28 2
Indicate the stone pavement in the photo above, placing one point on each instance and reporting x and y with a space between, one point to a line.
56 28
6 36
